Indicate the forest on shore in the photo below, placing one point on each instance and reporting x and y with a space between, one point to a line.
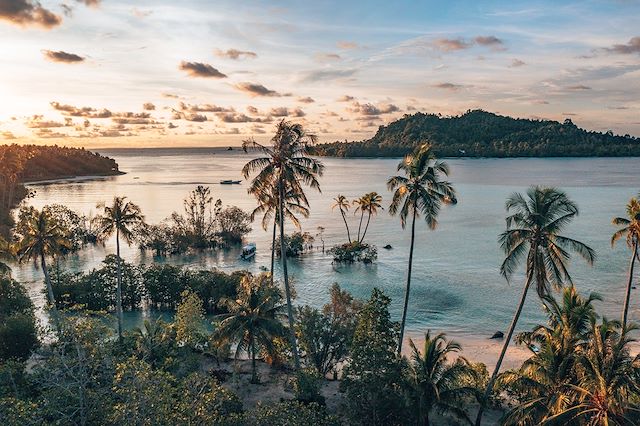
20 164
479 133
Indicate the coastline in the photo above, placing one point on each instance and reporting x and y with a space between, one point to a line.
70 179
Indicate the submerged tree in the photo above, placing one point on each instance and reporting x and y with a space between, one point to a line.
631 229
370 205
422 191
533 235
286 163
124 219
342 204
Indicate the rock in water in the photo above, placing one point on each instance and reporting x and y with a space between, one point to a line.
387 247
498 335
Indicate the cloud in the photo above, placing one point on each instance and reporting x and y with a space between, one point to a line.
61 56
258 129
235 117
369 109
448 86
235 54
139 13
148 106
347 44
90 3
517 63
199 69
38 122
8 135
48 133
489 41
345 98
171 126
632 46
198 118
254 89
27 13
578 87
327 57
306 100
450 45
73 111
324 75
286 112
204 108
170 96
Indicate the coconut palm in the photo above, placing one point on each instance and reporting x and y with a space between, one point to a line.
631 229
40 236
295 204
359 204
533 233
371 205
422 191
607 382
544 382
254 319
433 383
288 164
342 204
124 219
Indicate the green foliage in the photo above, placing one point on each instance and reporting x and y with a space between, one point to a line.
296 244
19 412
290 413
479 133
306 386
189 321
325 336
354 252
18 329
233 224
372 380
202 401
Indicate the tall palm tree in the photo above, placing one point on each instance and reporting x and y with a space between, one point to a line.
533 233
254 319
124 219
342 203
371 205
295 204
287 162
422 191
630 229
433 383
359 203
41 236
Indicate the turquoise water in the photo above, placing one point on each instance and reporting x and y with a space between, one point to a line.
456 286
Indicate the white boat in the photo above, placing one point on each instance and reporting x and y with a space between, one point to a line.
248 251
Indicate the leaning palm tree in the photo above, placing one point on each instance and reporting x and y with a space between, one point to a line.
533 233
371 205
41 236
295 204
124 219
434 383
254 320
422 191
359 204
630 229
288 164
342 204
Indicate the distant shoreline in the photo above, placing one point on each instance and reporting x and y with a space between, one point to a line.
70 179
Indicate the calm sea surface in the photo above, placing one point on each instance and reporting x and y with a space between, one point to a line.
456 286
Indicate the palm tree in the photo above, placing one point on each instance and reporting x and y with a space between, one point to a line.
124 219
7 253
371 205
421 192
359 203
295 204
254 319
607 382
342 203
544 382
533 233
41 236
630 229
287 163
434 383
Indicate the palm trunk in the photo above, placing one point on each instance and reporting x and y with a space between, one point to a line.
273 248
507 340
360 225
119 286
285 273
254 375
629 285
365 228
346 225
52 299
406 291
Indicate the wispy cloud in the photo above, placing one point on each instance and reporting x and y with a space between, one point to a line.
235 54
61 56
199 69
254 89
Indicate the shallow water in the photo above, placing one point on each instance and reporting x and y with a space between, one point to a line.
456 285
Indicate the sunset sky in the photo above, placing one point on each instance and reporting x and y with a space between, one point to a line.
167 73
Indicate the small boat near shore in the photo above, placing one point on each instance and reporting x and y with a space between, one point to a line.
248 251
230 182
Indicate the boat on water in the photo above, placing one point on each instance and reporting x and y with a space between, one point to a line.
248 251
230 182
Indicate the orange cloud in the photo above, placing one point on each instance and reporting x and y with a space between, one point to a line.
27 13
199 69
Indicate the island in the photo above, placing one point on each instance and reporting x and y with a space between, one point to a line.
479 133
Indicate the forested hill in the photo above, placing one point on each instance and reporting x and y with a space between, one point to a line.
483 134
27 163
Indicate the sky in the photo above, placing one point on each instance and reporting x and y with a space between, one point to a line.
106 73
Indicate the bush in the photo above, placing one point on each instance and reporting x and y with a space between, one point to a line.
18 330
290 413
296 244
306 386
354 252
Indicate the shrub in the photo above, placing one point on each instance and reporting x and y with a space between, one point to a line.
354 252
